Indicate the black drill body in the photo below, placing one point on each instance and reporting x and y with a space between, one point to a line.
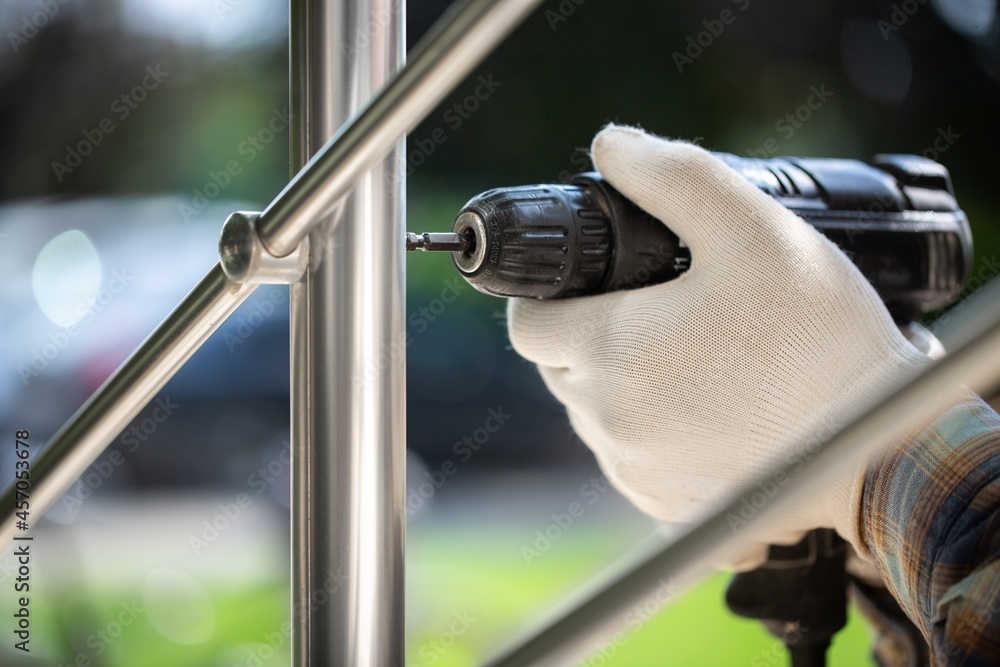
897 219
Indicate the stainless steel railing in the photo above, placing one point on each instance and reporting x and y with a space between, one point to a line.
348 434
449 53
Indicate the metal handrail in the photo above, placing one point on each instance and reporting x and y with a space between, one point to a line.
348 438
456 44
461 41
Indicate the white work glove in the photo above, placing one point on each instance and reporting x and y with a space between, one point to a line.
688 391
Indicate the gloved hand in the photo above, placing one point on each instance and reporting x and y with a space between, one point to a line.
688 391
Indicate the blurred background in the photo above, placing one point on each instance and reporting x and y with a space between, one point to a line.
131 128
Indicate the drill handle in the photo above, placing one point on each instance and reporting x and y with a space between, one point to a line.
897 220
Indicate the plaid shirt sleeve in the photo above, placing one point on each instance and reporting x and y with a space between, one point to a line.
931 516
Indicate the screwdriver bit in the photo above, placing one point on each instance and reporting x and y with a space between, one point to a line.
439 242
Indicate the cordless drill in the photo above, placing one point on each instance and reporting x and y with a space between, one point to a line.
896 219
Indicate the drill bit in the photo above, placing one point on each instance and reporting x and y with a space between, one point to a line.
439 242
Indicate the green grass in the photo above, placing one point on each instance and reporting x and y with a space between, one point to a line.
468 594
484 576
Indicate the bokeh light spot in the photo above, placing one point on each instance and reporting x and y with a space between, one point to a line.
877 63
67 277
973 18
179 607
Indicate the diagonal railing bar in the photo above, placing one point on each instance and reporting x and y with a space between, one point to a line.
599 613
458 43
116 403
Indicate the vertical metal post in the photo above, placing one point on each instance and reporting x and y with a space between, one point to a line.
347 316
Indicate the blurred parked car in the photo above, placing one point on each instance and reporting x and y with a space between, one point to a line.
84 281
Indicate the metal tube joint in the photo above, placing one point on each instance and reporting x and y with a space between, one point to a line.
245 258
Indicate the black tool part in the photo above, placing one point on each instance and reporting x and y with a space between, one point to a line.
551 241
643 254
438 242
800 594
897 219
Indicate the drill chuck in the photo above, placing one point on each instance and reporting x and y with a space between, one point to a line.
550 241
897 219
